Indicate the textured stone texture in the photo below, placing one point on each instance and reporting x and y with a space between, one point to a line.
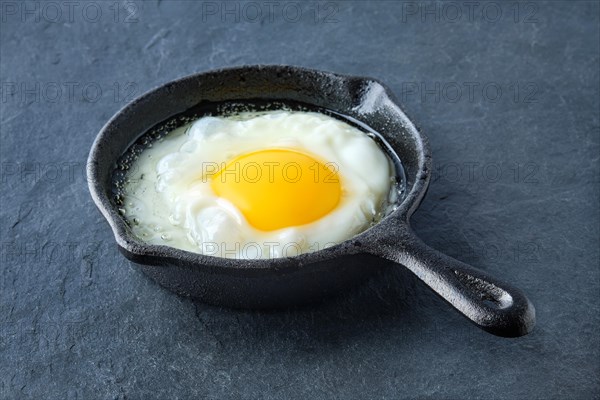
515 192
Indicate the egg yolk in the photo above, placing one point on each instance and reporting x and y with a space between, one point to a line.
278 188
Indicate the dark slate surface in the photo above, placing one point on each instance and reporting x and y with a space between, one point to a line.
515 193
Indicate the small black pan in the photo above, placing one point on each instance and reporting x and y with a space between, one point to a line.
495 306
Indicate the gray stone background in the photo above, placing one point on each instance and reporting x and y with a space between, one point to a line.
508 94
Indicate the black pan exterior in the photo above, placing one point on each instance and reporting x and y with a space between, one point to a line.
280 282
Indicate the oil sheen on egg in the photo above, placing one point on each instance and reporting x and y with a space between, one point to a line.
258 185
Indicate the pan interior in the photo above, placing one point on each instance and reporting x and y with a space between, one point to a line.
227 108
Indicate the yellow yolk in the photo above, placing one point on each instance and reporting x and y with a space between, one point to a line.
279 188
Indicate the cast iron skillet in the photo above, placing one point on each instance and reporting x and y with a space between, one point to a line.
493 305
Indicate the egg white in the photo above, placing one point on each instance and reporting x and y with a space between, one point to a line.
166 203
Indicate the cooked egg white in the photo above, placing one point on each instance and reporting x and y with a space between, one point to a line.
258 185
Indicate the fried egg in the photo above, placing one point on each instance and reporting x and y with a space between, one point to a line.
258 185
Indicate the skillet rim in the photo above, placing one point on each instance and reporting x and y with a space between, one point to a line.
151 254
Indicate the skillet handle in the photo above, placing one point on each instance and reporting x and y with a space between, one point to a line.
491 304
